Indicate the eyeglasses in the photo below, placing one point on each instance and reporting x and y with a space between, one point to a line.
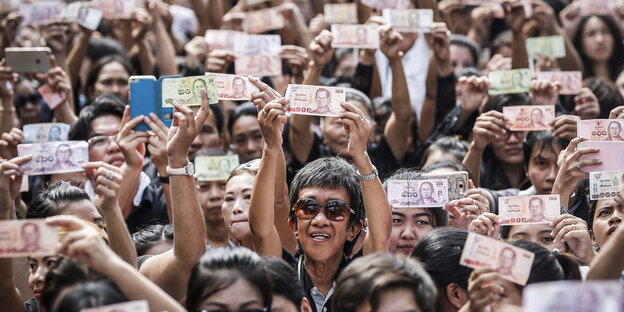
334 209
101 141
19 100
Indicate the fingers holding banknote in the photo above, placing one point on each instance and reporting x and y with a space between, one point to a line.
184 128
483 289
574 231
486 224
219 60
357 129
321 49
83 243
489 126
9 142
564 126
617 113
106 181
587 105
545 92
11 176
266 94
472 92
272 119
570 166
157 142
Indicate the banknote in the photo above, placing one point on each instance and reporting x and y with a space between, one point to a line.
457 182
260 21
54 157
355 36
45 132
115 9
529 117
418 193
411 20
571 81
510 81
32 237
552 46
315 100
509 262
257 45
87 17
573 296
497 6
386 4
52 98
601 129
609 153
605 184
598 7
215 168
341 13
222 39
39 13
130 306
258 65
234 87
187 90
528 209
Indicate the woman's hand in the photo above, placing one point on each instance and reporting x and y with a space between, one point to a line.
272 118
106 181
489 127
570 167
483 289
564 126
587 106
265 95
157 143
545 92
357 130
487 224
321 49
573 231
472 92
185 127
11 177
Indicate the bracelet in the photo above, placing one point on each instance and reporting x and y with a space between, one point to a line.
4 110
366 177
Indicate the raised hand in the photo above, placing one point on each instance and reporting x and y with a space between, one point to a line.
472 92
297 59
7 82
321 49
11 177
55 36
219 60
58 80
317 24
498 62
573 231
357 129
266 94
545 92
570 168
157 142
564 126
617 113
390 42
106 181
441 46
487 224
514 15
9 142
184 128
196 51
483 289
272 118
489 126
132 143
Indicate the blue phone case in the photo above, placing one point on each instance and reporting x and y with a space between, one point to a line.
146 98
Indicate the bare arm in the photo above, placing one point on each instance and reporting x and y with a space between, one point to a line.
77 54
165 53
171 269
514 16
488 126
608 263
7 110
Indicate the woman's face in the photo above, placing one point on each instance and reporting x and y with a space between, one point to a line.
236 205
230 299
113 78
38 267
537 233
247 138
542 168
597 40
409 225
607 218
461 58
510 149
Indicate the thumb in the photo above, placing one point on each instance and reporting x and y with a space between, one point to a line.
471 184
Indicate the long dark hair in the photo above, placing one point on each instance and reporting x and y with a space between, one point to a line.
615 60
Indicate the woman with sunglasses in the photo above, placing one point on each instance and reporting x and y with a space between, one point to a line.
327 199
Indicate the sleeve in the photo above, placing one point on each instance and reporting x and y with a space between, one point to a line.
445 96
363 78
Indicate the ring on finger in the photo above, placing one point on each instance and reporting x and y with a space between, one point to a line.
109 175
264 111
362 117
573 227
578 165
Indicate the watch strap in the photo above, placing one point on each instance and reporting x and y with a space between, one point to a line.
367 177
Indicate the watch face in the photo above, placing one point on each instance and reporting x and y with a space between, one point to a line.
190 169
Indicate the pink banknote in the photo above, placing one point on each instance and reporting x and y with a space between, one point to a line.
418 193
32 237
601 129
571 81
530 117
610 153
528 209
355 36
315 100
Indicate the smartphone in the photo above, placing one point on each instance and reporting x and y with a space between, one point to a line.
145 98
28 60
611 155
458 182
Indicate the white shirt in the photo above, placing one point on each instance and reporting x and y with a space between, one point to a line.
415 64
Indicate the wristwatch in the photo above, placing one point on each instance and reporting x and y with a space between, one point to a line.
187 170
366 177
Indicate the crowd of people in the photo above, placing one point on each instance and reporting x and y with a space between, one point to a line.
304 222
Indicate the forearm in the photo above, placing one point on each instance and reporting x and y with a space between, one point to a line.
126 40
572 60
128 188
378 211
76 57
428 112
472 160
10 297
146 59
282 205
313 76
7 115
65 111
563 191
519 56
204 15
608 263
303 36
165 54
120 240
135 286
401 105
261 206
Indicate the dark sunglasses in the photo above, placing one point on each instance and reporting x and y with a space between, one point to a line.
334 209
19 100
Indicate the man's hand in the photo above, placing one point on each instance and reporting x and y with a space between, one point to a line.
106 181
390 42
219 60
545 92
272 119
472 92
357 129
185 127
321 49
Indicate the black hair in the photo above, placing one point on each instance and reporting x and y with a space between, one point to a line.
245 109
615 61
219 268
100 47
439 215
89 288
96 68
549 266
606 93
543 140
440 251
103 105
501 40
468 43
330 173
496 102
284 281
368 277
51 201
218 113
448 145
149 236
